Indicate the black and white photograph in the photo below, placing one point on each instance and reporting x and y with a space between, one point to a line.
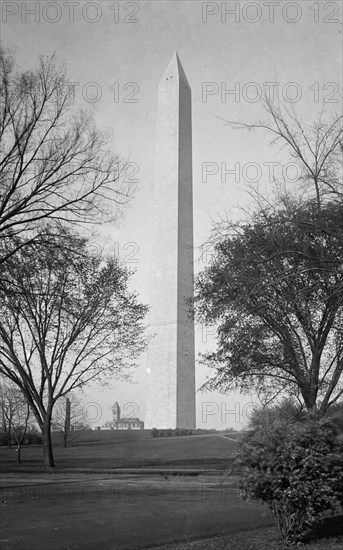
171 275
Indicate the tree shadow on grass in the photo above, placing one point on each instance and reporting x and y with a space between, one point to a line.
328 527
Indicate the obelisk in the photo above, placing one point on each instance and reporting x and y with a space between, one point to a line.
170 399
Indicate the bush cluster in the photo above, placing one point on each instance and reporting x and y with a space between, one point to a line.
170 432
297 469
33 438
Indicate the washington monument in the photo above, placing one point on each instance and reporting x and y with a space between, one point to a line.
171 360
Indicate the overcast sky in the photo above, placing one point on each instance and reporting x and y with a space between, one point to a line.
116 54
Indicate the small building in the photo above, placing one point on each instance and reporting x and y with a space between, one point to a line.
130 423
125 423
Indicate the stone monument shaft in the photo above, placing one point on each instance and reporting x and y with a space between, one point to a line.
171 358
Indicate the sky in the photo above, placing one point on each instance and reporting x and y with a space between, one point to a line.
116 54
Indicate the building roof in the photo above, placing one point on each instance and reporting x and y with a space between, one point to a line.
130 419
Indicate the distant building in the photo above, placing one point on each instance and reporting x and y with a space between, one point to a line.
118 423
116 411
124 424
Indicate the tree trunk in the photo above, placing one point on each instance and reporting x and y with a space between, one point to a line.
67 422
309 395
47 445
19 453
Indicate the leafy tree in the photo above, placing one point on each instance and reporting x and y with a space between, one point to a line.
274 290
67 319
297 469
288 410
55 165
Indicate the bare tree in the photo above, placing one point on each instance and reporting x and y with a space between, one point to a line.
68 419
318 150
7 408
55 166
15 414
66 319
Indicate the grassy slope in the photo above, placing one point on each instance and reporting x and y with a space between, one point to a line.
110 449
125 449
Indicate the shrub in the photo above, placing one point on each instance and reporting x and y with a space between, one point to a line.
296 469
3 439
335 416
184 431
33 438
289 410
170 432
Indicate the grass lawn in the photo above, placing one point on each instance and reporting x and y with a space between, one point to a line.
88 511
264 539
79 509
130 512
128 449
